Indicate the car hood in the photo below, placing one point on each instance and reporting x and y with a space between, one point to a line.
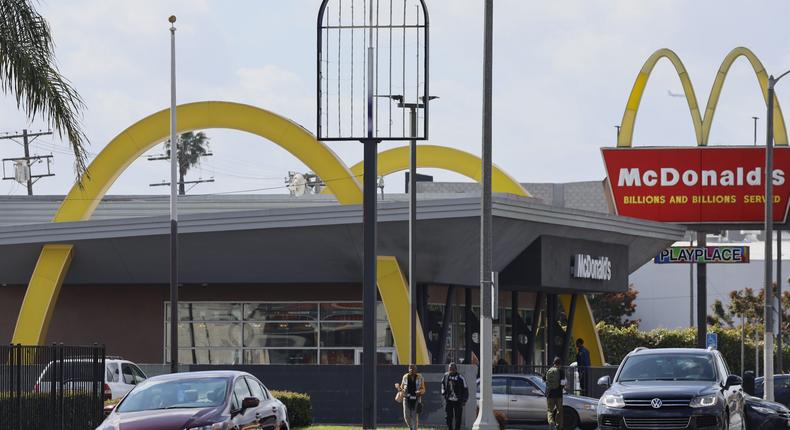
662 389
163 419
567 398
756 401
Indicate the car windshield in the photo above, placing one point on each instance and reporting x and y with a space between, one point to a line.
185 393
668 367
538 381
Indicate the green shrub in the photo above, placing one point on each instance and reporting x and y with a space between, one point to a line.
79 411
300 409
619 341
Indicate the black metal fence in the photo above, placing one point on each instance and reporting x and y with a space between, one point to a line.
54 387
580 381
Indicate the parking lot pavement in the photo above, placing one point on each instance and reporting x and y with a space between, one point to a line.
529 427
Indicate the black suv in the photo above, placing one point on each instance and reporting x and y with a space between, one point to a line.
672 389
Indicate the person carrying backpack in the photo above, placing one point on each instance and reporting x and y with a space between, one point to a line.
413 388
455 393
555 384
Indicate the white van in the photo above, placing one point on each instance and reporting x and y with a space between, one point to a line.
120 376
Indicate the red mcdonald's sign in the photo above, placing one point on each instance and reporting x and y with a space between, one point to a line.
697 185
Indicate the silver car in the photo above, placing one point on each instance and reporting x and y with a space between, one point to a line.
522 398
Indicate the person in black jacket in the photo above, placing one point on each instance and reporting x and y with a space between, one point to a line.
455 393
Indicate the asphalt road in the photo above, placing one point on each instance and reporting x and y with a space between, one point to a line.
529 427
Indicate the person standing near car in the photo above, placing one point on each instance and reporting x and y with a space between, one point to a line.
412 386
455 393
582 364
555 382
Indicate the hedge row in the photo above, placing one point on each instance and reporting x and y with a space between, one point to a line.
80 411
619 341
300 409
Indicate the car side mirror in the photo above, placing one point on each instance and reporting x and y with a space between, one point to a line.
604 381
733 380
250 402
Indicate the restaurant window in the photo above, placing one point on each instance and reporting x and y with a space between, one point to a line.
274 333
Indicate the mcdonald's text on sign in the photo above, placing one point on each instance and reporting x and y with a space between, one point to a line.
703 254
697 185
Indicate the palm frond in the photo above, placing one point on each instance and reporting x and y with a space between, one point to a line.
28 70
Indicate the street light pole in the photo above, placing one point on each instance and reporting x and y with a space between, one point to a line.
755 118
412 191
173 205
768 354
485 418
413 234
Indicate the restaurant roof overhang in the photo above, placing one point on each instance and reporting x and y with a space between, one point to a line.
317 244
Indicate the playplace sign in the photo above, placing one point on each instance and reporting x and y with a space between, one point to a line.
697 185
703 254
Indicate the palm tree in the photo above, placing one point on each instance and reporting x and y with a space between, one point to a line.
28 70
193 146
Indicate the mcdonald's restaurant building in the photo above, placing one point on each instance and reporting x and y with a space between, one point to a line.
271 279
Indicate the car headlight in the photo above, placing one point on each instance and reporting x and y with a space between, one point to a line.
765 411
613 401
215 426
703 401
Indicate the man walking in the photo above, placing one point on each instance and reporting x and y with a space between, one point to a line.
555 383
582 364
412 387
455 393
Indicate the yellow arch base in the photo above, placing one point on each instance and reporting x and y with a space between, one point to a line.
702 125
42 294
394 292
584 327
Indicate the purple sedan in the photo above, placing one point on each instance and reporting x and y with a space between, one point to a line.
217 400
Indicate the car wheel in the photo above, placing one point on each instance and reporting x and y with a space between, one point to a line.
570 419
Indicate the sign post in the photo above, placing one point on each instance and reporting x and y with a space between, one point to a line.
355 43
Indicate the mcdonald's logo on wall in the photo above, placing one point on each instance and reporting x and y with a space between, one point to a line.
701 184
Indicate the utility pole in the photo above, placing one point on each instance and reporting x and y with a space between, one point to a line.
485 418
181 172
27 160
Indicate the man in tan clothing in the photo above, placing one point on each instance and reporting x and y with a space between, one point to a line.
555 384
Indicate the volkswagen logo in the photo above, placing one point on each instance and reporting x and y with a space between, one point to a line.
655 403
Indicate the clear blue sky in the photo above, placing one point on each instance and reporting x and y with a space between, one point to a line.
562 74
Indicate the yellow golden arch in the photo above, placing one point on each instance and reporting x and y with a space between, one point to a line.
702 125
54 260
